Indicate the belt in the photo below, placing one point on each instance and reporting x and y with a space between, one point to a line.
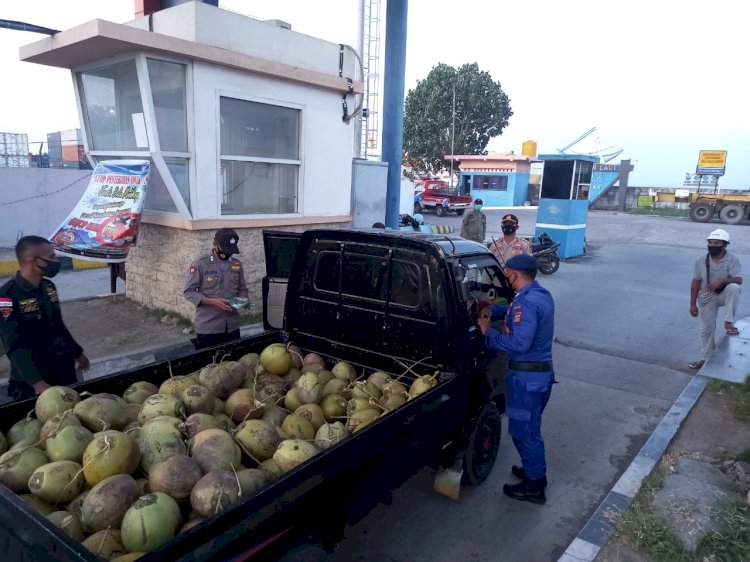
536 366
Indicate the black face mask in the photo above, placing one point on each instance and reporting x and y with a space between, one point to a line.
715 250
509 229
51 267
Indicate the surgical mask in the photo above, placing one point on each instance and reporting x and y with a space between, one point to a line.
509 229
715 250
477 207
223 256
511 281
51 267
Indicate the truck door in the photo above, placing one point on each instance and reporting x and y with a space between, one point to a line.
280 248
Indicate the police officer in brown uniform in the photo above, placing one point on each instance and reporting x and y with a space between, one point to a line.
212 280
41 350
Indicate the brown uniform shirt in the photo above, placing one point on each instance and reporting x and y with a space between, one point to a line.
504 250
211 277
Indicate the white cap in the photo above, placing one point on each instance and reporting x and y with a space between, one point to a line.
719 234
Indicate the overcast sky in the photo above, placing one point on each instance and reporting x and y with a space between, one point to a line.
661 79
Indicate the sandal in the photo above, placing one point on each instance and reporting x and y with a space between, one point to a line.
733 331
696 364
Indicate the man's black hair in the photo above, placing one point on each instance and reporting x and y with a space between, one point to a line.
27 243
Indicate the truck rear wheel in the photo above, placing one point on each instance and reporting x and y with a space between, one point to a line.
732 214
460 212
701 212
484 443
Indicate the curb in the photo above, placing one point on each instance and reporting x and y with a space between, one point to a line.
9 266
597 530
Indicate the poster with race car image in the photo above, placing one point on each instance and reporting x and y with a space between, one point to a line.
104 224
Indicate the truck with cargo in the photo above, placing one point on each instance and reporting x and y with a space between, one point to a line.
730 207
395 301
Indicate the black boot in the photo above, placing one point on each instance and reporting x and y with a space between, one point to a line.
527 490
519 472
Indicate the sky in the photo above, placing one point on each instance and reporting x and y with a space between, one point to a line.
660 79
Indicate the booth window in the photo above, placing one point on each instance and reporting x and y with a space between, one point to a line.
168 90
493 183
260 160
114 111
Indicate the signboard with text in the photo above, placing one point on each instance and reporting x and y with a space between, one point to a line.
711 163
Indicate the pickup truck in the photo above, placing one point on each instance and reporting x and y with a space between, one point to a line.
402 302
441 199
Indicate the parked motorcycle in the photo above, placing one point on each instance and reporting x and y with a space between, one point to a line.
545 252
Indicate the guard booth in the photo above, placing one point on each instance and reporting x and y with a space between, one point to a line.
563 201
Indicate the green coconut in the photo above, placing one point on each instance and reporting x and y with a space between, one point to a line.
3 443
225 422
27 428
293 452
335 386
176 386
357 405
276 359
309 389
137 392
330 433
250 360
392 402
198 400
325 376
313 358
106 503
161 405
214 449
196 423
131 412
218 406
143 487
56 423
314 368
333 406
271 467
258 438
215 492
53 401
158 441
291 376
57 482
150 522
274 415
25 444
393 387
312 413
110 453
421 385
107 544
270 394
69 523
379 378
252 480
175 476
38 504
16 467
237 371
102 412
344 371
298 427
361 419
77 503
218 380
367 390
242 405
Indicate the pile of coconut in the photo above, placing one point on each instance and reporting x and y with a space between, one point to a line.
124 475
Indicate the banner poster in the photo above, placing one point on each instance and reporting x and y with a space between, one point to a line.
104 223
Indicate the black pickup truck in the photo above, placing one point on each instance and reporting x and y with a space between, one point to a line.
401 302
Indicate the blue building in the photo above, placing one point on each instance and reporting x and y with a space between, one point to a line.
499 180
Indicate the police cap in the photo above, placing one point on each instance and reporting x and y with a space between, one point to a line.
510 218
227 239
522 262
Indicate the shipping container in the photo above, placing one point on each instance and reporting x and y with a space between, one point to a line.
14 144
53 138
70 153
72 136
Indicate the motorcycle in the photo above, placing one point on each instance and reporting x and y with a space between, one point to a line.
545 252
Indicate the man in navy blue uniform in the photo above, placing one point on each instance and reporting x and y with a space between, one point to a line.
526 337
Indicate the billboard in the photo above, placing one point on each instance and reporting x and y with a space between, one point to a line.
104 223
711 163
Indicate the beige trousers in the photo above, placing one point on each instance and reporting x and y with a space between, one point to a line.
729 298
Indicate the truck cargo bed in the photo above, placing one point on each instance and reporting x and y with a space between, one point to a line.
340 484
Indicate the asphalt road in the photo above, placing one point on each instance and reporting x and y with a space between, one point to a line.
623 340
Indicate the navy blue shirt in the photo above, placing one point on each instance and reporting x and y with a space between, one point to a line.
528 325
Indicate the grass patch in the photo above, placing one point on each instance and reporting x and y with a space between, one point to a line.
736 395
743 456
640 528
732 542
659 212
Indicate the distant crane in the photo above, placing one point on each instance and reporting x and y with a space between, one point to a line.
575 142
368 136
598 151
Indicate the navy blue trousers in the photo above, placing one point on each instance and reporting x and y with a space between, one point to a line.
528 394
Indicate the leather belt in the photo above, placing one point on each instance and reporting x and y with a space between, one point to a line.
536 366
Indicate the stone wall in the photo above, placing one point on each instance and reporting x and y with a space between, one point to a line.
157 266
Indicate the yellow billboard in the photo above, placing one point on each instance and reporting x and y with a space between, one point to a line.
711 163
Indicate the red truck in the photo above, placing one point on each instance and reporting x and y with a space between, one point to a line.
438 196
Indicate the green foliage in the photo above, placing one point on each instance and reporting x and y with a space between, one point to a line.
732 541
737 395
482 112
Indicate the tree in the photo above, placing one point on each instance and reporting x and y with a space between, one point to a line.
482 112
